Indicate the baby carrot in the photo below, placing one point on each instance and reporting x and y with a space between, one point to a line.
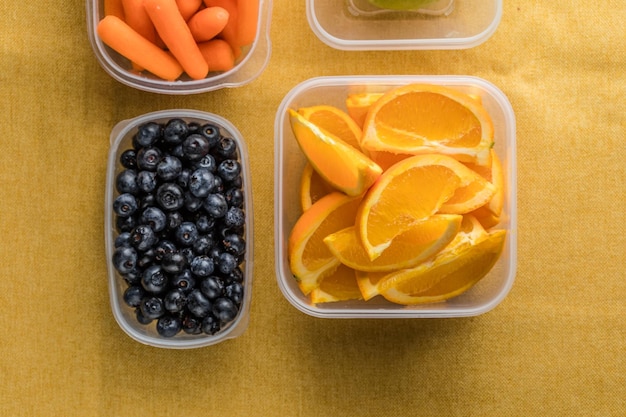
176 35
247 18
115 33
188 7
229 34
218 54
137 18
114 7
207 23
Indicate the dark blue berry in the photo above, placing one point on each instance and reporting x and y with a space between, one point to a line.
123 239
184 281
229 169
133 295
234 243
170 196
195 147
174 219
173 262
162 247
126 182
225 310
210 325
206 162
125 224
128 159
184 177
155 218
198 304
212 287
148 158
168 326
154 280
152 307
211 132
227 263
175 131
169 168
201 182
175 300
215 205
234 218
226 148
191 324
192 203
186 233
205 223
141 319
203 244
125 259
202 266
236 275
234 291
143 237
146 201
147 135
146 181
234 197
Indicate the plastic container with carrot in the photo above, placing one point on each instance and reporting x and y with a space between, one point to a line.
151 44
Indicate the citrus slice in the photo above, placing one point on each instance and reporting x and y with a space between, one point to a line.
335 121
310 259
426 118
341 285
417 244
447 275
470 232
312 187
469 197
489 214
358 104
338 163
409 191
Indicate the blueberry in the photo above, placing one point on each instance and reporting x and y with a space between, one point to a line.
133 277
173 262
234 291
126 181
174 219
146 259
169 168
236 275
191 324
203 244
229 169
175 131
128 159
227 262
147 200
186 233
215 205
202 266
184 177
168 326
125 224
155 218
234 197
225 310
207 162
147 135
133 295
195 147
175 300
141 319
218 184
211 133
201 182
123 239
125 259
170 196
234 218
184 281
226 148
210 324
198 304
143 237
212 287
205 223
162 247
148 158
146 181
192 203
188 253
234 243
193 127
152 307
154 280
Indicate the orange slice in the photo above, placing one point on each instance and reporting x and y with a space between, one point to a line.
335 121
477 192
489 214
411 190
358 104
341 285
426 118
447 275
338 163
420 242
312 187
370 283
310 259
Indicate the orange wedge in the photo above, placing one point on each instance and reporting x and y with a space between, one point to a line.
448 275
310 259
341 285
477 192
358 104
335 121
489 214
419 243
410 191
426 118
312 187
338 163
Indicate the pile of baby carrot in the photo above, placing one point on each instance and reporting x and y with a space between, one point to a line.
172 37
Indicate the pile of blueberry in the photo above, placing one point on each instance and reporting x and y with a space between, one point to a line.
180 218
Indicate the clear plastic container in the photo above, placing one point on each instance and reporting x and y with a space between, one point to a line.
290 161
248 67
444 24
121 139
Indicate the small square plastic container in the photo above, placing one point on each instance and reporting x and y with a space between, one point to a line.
121 138
443 24
290 161
249 65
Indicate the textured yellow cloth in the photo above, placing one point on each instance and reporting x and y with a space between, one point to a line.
555 346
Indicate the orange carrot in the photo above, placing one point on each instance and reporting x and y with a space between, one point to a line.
115 33
229 34
207 23
174 31
247 21
138 19
218 54
188 7
114 8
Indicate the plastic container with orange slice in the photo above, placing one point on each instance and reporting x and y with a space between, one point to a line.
480 202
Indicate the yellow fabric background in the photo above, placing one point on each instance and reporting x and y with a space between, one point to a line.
555 346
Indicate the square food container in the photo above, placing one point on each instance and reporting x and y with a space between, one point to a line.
121 138
290 161
248 66
443 24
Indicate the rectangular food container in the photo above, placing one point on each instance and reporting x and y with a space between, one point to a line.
290 161
248 66
121 139
444 24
